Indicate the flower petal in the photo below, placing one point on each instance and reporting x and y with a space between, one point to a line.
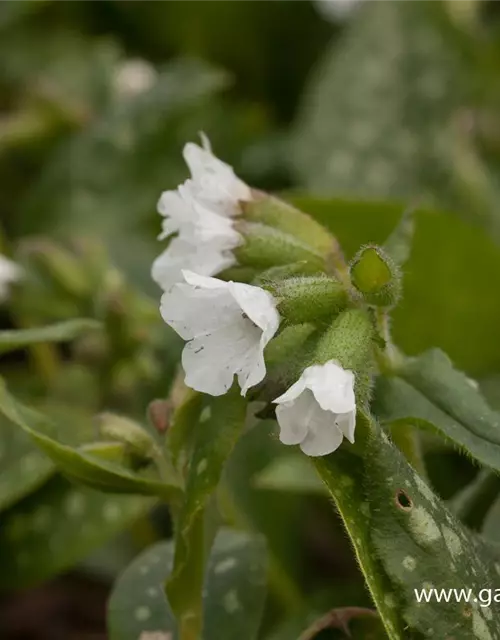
195 310
332 386
292 418
211 361
293 392
176 211
213 182
323 435
346 422
180 254
259 305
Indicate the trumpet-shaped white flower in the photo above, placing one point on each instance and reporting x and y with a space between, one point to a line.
9 272
319 410
228 325
200 213
213 182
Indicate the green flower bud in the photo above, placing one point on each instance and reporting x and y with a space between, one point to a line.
376 277
283 216
308 299
265 247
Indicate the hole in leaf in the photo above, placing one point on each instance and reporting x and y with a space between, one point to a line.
467 611
403 500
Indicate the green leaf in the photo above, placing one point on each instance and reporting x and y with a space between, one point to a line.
405 539
24 466
392 129
78 463
292 473
215 439
454 266
235 587
138 602
429 393
59 332
57 526
398 245
233 596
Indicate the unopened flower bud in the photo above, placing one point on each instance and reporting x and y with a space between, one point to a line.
160 415
376 277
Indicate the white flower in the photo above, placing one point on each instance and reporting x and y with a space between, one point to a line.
228 325
204 258
9 272
213 182
200 213
336 10
319 410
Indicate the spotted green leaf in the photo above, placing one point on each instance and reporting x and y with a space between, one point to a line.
57 526
24 466
220 425
60 332
79 462
235 587
405 538
430 393
233 600
382 114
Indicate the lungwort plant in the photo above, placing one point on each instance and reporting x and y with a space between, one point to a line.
286 338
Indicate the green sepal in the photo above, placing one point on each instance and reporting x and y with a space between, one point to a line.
349 341
266 247
376 276
276 213
308 299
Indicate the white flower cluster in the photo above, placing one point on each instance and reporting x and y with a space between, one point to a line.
227 325
200 212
